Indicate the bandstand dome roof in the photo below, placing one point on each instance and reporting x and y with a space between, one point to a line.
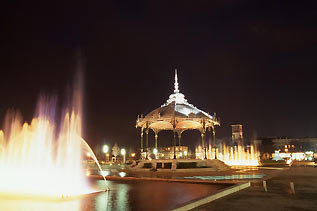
177 114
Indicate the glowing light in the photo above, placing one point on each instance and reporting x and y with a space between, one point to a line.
233 156
185 153
123 152
122 174
88 154
155 151
105 173
133 154
37 159
298 156
284 155
105 149
309 155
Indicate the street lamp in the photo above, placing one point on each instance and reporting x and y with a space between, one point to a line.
105 150
123 153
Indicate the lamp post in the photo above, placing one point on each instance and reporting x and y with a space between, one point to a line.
105 150
123 153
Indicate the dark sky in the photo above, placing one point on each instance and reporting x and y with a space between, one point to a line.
251 62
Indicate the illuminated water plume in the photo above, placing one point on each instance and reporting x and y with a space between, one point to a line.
231 155
41 158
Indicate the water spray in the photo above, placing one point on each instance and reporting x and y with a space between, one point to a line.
92 154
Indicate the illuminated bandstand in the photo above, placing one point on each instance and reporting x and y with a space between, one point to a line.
178 116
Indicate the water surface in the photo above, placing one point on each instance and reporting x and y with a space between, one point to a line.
130 195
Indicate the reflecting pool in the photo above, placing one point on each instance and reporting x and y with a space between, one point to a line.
130 195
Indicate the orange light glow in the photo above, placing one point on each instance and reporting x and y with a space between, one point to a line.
233 156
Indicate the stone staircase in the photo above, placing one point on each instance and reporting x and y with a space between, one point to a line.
218 165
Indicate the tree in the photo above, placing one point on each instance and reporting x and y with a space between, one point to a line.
115 151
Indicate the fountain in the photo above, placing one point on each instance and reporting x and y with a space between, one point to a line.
231 155
42 159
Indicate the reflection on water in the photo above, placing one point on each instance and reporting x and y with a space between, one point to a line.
134 195
145 195
14 205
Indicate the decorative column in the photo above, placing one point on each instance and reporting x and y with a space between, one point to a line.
213 135
203 143
141 139
203 131
179 138
174 133
156 137
174 144
214 140
156 150
147 142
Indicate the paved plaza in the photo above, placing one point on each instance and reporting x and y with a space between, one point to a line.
279 195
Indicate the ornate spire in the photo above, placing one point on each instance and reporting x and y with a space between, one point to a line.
176 90
176 97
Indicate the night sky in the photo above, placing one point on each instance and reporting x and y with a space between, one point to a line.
251 62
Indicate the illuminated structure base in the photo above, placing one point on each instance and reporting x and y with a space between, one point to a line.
179 165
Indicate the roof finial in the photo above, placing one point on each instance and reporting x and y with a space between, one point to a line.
176 83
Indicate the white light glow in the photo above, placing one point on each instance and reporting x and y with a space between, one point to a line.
123 152
122 174
105 148
298 156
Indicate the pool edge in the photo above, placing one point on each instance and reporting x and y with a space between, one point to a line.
227 191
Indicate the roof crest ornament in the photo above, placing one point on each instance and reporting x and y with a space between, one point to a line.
177 97
176 90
